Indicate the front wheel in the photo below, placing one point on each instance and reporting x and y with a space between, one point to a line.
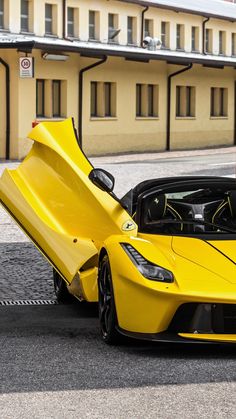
106 304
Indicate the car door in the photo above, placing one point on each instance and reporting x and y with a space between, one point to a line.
52 199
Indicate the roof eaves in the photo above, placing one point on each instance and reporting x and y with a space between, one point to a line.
138 55
99 51
26 46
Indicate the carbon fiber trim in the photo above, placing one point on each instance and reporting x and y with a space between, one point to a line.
164 337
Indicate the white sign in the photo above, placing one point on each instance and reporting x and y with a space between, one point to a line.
26 67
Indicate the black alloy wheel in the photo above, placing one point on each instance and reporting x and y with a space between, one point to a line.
106 304
61 292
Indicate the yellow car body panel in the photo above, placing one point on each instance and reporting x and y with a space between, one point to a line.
203 252
72 222
139 300
52 198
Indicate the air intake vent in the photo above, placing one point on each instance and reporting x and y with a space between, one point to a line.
205 318
229 313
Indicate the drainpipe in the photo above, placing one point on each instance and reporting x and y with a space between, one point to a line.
204 35
169 102
142 25
64 32
7 77
81 74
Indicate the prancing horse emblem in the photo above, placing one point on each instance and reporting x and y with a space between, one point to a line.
128 226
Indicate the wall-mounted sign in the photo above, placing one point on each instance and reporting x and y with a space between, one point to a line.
26 67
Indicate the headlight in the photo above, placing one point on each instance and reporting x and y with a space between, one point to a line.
146 268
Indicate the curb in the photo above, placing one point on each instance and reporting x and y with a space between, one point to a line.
139 157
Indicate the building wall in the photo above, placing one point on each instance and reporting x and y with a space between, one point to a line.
203 130
103 7
127 132
65 71
124 131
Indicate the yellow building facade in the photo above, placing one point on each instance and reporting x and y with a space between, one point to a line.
134 75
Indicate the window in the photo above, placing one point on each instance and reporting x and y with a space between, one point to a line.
208 41
146 100
40 98
165 34
93 25
70 22
180 37
1 14
94 101
131 36
107 98
185 101
151 104
148 28
56 98
50 98
233 45
138 100
219 102
222 42
48 19
112 27
195 39
24 16
102 99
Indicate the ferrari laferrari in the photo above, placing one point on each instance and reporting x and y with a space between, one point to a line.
160 261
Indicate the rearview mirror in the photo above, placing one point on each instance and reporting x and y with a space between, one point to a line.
102 179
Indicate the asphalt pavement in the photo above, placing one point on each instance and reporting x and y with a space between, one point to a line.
54 365
53 362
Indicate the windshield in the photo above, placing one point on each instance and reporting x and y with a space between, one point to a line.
192 211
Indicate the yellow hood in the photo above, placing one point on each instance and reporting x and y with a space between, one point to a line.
218 257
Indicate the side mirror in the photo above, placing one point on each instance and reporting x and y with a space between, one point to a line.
102 179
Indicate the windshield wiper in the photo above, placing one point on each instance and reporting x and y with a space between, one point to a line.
201 222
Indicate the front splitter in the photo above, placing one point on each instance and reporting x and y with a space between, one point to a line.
211 337
167 337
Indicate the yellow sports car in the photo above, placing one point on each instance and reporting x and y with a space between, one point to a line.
160 261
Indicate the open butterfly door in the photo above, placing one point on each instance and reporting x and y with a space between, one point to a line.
51 197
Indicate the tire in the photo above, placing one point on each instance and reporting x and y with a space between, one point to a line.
60 289
106 304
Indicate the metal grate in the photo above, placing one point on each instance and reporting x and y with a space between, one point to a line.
27 302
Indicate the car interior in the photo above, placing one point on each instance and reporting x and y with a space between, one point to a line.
188 208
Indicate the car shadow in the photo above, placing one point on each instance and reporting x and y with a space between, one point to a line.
58 347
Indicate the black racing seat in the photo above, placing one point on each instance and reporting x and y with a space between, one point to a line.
159 209
226 210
